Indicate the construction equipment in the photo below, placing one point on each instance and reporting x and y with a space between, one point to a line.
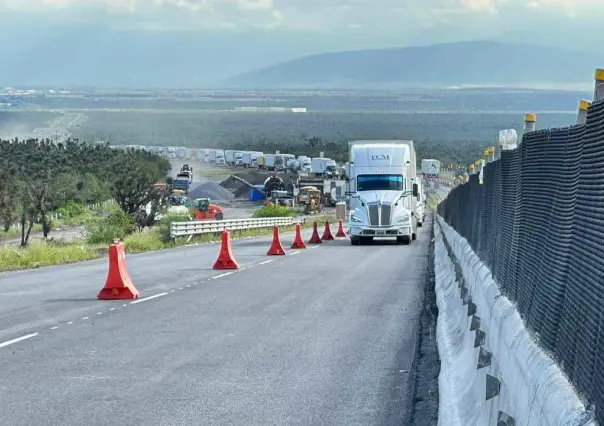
281 198
203 210
303 194
313 203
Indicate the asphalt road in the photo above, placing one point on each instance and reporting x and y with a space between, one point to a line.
320 336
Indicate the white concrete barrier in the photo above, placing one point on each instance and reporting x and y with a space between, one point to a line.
492 371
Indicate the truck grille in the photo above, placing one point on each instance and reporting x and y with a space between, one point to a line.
374 215
386 215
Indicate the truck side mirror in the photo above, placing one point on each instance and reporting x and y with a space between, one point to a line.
415 190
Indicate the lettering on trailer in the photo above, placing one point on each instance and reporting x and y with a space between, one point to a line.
380 157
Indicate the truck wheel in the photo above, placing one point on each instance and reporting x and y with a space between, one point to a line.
403 240
355 241
219 216
419 224
414 236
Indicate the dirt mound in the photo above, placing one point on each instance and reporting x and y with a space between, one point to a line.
211 190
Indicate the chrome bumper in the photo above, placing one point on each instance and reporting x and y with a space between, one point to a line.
391 231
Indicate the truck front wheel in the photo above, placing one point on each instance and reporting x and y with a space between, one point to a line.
403 240
219 216
414 236
355 241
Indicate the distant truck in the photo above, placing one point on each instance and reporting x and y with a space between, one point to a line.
325 167
233 158
250 158
182 182
382 190
430 168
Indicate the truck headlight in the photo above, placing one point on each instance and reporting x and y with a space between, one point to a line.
403 218
356 219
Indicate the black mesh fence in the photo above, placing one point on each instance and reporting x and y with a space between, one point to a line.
537 221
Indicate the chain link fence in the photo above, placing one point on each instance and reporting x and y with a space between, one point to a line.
538 222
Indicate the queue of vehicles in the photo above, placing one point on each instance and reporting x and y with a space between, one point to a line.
318 166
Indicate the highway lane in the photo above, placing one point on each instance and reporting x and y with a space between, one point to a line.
324 336
45 297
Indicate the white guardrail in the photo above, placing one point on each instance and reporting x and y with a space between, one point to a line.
198 227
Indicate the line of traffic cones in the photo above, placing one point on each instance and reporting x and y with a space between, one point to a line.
119 286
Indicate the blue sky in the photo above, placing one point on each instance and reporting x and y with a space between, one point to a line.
232 36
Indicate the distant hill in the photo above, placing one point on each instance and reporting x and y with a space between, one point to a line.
474 63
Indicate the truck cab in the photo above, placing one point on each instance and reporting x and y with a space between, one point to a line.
382 191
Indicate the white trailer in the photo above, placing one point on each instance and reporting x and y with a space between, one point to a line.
430 168
318 166
382 190
269 161
229 157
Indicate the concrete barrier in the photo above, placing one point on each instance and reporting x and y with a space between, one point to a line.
492 371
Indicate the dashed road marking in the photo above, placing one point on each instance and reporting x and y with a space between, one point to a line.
54 328
266 261
18 339
85 318
222 275
155 296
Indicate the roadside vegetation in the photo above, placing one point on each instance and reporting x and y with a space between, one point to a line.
40 253
44 185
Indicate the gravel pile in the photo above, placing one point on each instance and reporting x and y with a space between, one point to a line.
211 190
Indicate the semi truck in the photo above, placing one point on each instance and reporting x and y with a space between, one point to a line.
382 190
430 168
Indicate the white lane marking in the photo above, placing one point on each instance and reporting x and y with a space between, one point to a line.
54 328
189 285
172 291
180 288
314 246
148 298
18 339
125 304
223 275
112 309
99 313
85 318
295 252
266 261
70 322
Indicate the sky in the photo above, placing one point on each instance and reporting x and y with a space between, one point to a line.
218 38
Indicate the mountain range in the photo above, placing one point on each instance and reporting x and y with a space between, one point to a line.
473 63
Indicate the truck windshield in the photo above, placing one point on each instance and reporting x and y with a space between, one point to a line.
380 183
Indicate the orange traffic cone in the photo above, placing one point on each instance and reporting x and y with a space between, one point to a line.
298 241
226 260
327 235
276 247
340 232
315 239
118 284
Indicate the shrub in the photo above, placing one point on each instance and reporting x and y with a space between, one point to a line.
273 210
43 253
71 209
117 224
